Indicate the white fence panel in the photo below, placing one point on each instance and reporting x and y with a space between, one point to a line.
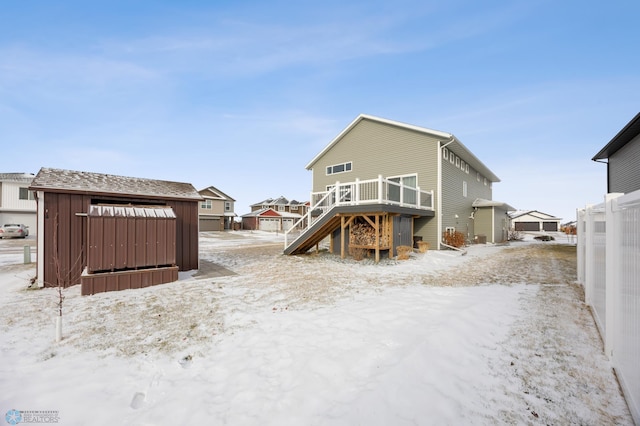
626 333
609 269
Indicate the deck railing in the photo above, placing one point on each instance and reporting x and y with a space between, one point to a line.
357 193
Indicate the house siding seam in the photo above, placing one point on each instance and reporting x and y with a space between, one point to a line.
622 171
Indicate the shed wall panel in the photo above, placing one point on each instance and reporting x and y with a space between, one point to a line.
71 235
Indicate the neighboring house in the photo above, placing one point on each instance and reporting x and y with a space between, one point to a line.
623 157
275 214
401 180
216 210
17 203
534 221
134 232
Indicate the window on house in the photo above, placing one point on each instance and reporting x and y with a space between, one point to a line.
281 208
294 208
466 169
485 181
25 194
339 168
450 230
464 189
462 164
457 161
478 176
227 206
206 204
445 153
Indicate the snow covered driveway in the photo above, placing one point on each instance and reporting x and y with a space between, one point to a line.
499 336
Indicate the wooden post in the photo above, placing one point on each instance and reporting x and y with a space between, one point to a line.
391 247
342 227
377 228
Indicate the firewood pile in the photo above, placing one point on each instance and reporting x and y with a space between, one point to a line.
363 234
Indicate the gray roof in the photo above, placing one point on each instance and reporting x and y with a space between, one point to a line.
481 202
629 132
280 201
58 180
17 177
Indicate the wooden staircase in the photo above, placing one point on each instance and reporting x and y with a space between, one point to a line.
312 235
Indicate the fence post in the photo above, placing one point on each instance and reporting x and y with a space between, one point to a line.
357 192
380 189
612 254
588 242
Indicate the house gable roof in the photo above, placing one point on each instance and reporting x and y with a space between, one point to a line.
624 136
59 180
533 213
215 193
446 139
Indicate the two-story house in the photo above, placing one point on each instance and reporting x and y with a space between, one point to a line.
276 214
17 203
398 182
216 211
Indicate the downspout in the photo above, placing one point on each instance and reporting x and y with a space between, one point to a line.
439 190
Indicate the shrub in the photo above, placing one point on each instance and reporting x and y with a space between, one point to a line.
455 239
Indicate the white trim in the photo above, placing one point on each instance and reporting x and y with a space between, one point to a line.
40 239
438 194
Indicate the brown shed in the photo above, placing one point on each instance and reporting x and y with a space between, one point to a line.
99 223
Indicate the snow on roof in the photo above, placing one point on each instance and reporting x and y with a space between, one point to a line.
58 180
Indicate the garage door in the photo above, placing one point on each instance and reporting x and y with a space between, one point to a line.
550 226
209 224
527 226
268 224
287 224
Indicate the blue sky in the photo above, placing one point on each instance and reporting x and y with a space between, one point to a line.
242 95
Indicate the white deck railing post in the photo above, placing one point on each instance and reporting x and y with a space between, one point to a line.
380 189
356 197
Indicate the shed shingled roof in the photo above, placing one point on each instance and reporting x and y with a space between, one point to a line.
59 180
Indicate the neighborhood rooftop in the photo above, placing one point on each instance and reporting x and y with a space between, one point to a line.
58 180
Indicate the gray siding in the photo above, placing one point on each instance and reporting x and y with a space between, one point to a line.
484 222
624 169
500 225
453 201
372 147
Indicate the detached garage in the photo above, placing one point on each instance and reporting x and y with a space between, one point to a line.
534 221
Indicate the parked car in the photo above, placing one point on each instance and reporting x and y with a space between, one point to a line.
14 230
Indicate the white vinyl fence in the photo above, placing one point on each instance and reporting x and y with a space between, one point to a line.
609 270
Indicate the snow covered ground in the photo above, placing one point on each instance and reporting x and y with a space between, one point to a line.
499 336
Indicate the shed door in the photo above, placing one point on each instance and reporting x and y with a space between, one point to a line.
527 226
550 226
